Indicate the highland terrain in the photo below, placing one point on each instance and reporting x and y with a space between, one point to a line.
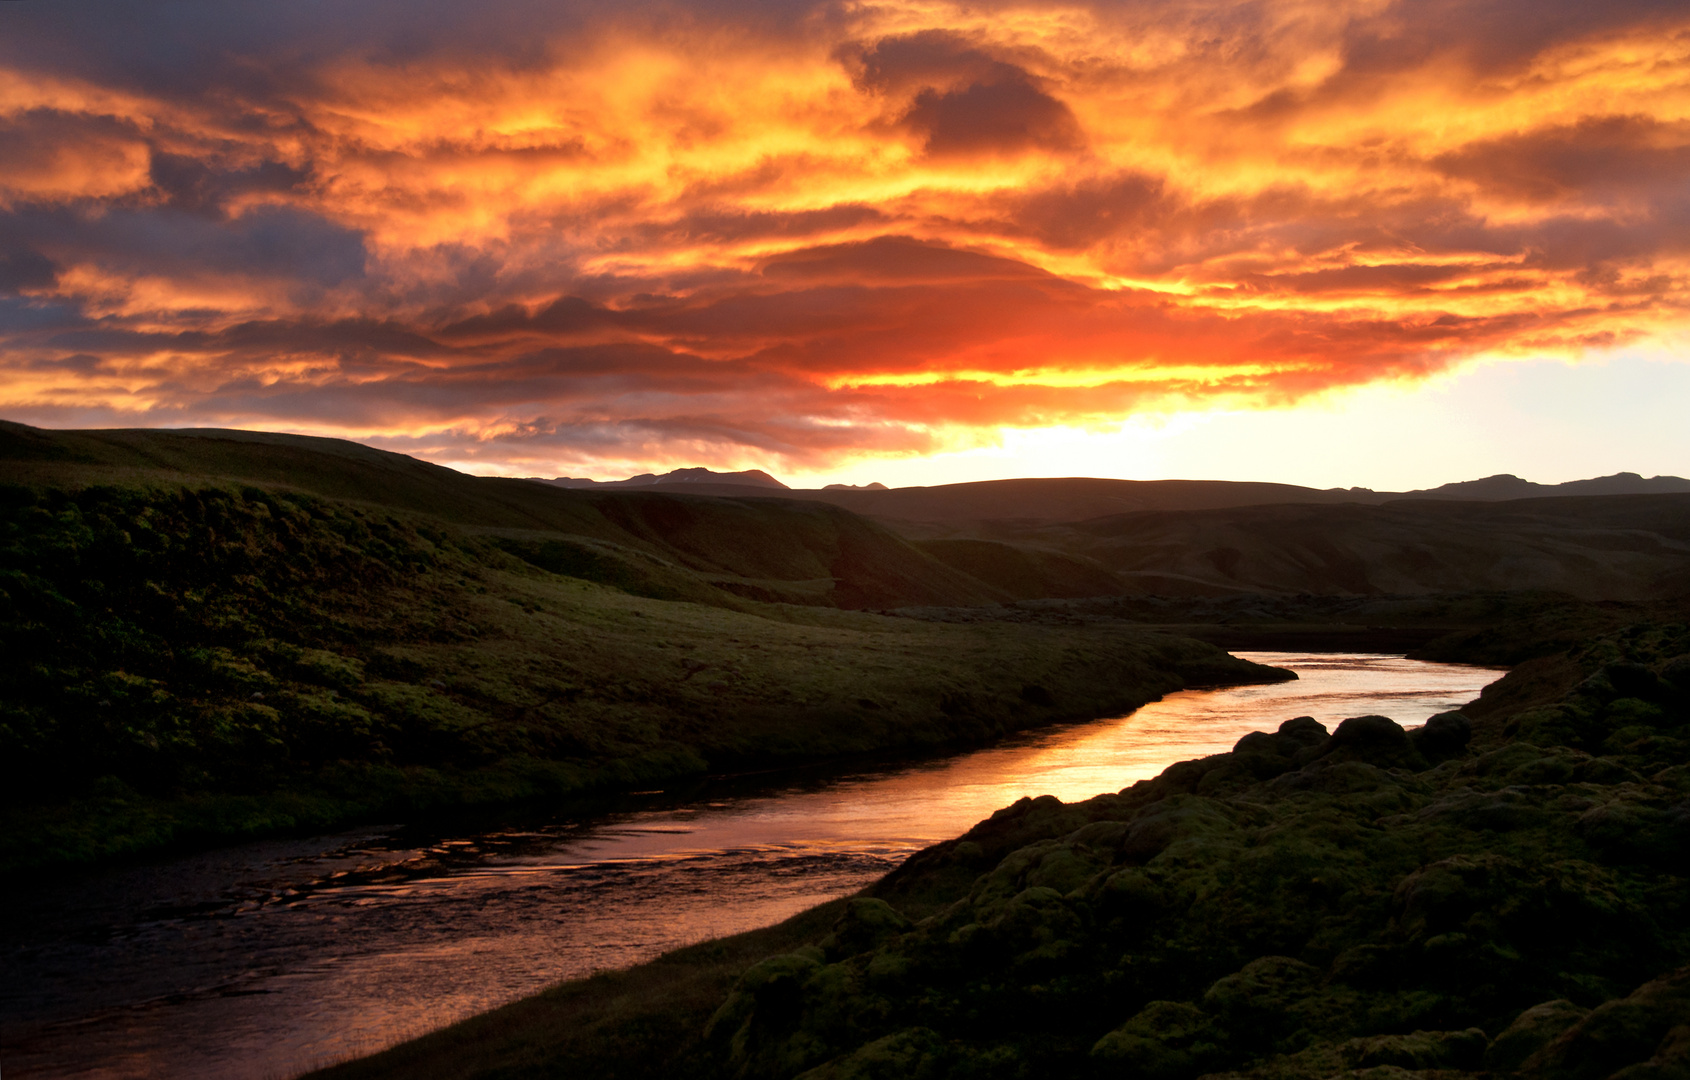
223 634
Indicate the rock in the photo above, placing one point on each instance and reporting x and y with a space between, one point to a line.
1376 740
1307 907
1530 1032
1443 737
911 1054
764 1004
1150 836
1419 1051
1133 894
1633 681
1305 730
1677 672
864 925
1166 1040
1629 1031
1629 829
1259 742
1264 1000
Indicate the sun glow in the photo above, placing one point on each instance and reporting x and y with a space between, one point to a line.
810 238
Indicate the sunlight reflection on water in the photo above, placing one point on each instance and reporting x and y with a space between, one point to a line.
262 961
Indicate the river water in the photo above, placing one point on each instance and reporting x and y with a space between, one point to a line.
263 961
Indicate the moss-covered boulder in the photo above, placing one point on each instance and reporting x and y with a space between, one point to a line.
1370 902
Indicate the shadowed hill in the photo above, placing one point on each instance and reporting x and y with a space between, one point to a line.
752 478
1506 486
963 544
960 509
663 544
1597 548
1064 499
942 509
203 646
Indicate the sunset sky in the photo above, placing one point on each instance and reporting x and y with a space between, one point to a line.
1333 243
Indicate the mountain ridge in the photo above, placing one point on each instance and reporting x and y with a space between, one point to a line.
1077 498
755 478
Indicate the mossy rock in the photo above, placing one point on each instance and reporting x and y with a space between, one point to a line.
1530 1032
1166 1040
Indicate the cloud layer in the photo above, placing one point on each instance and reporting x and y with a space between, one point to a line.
585 237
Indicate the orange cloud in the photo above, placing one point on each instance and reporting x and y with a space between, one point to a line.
792 233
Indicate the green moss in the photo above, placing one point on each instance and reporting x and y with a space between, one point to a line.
1351 911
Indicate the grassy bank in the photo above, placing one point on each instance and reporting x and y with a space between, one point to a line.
197 664
1500 893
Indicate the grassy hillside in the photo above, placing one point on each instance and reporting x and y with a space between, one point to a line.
962 545
668 545
190 662
944 508
1626 547
1494 894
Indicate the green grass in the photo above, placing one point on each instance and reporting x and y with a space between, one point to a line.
1303 907
668 546
191 664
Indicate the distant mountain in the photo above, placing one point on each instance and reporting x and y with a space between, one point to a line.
1055 499
747 478
1507 486
1058 499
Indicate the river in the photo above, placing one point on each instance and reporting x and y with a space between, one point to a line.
263 961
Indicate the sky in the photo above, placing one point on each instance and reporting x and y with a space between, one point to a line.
1381 244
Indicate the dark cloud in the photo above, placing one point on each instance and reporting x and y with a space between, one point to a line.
272 53
1008 116
1494 37
964 101
906 63
80 363
25 268
274 242
189 183
1078 215
565 316
722 225
893 258
1600 156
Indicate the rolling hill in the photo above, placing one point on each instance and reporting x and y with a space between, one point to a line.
960 545
217 635
946 509
1622 547
657 543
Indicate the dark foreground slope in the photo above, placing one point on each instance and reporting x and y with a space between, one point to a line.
192 662
1502 893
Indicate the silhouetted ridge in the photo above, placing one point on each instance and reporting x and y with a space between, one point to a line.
748 478
1507 486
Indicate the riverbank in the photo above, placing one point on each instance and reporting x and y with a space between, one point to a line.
194 666
214 636
1307 904
266 958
